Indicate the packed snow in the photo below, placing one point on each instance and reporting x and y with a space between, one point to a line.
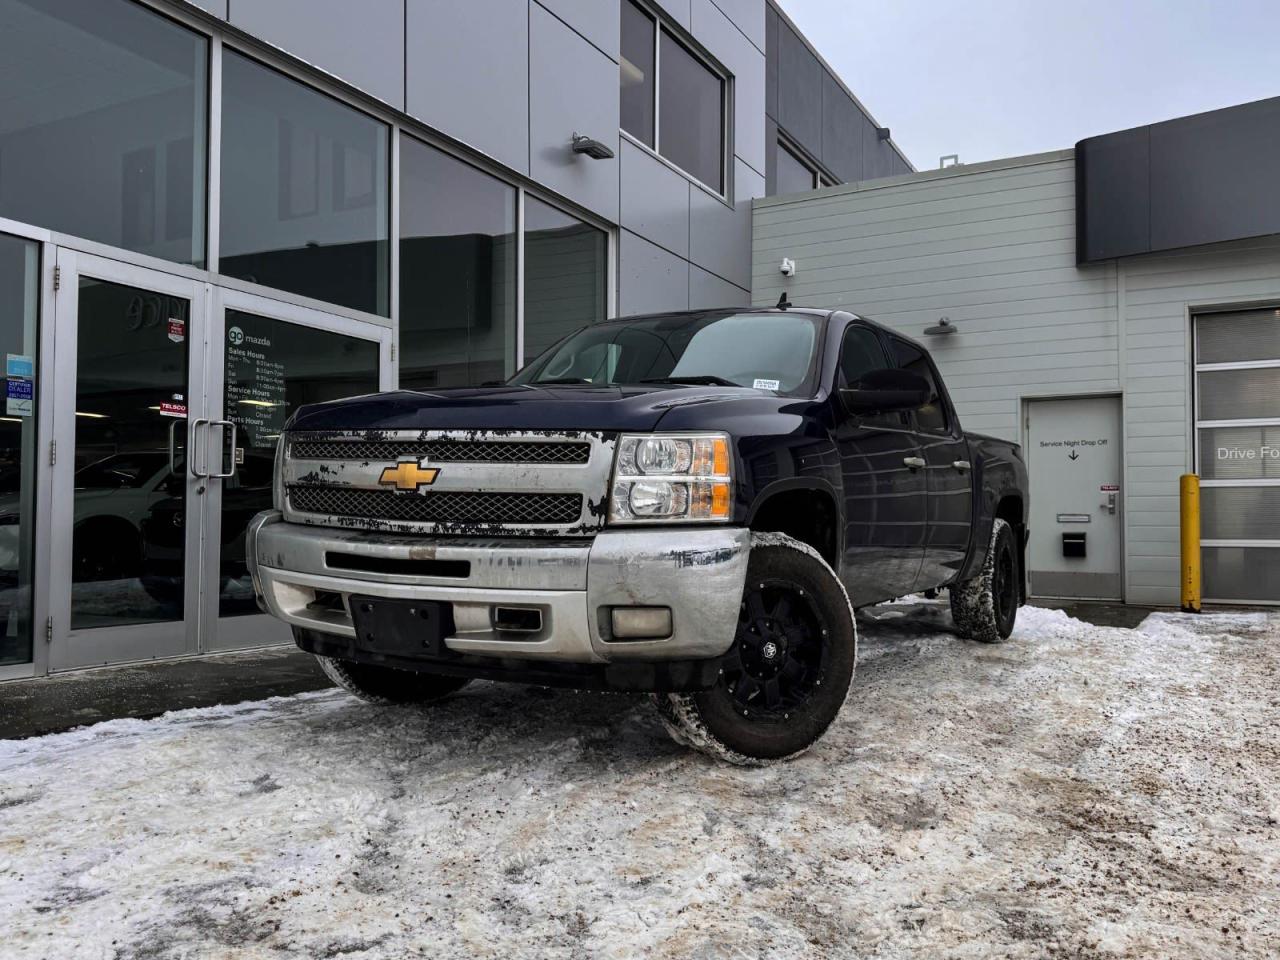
1078 792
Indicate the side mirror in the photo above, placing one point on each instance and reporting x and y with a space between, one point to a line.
886 391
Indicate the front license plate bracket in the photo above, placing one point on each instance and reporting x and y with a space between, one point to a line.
415 628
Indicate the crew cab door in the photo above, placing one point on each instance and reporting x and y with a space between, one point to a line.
949 473
884 496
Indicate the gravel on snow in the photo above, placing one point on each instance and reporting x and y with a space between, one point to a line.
1078 792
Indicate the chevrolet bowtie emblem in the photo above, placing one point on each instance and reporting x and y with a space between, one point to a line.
408 475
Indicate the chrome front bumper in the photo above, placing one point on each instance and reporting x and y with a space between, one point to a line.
697 573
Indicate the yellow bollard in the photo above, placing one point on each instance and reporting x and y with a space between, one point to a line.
1189 491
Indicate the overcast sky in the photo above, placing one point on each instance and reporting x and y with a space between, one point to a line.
999 78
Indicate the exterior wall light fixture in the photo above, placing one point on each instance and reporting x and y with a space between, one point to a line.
944 327
592 148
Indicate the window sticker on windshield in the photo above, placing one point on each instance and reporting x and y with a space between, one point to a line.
766 384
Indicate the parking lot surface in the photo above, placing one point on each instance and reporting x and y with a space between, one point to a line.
1078 792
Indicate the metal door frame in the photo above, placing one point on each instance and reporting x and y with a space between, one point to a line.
72 649
1025 402
257 630
42 475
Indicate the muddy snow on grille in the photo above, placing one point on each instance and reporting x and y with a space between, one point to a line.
1078 792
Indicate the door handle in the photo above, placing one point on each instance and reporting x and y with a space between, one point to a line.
961 465
193 448
915 463
1110 505
173 445
232 472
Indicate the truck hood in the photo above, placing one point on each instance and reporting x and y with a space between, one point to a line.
522 407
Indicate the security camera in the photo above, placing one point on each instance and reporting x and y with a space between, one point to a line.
788 267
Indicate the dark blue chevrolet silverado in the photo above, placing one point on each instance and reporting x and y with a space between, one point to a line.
688 504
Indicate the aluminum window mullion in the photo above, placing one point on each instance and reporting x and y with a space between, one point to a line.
213 169
393 229
520 275
657 82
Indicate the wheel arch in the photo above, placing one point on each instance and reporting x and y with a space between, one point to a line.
805 509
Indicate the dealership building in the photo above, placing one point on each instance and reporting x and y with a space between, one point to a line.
213 212
1115 308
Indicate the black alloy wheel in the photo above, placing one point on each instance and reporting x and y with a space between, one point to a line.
777 659
1005 587
787 673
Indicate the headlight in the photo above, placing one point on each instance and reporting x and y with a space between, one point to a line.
671 478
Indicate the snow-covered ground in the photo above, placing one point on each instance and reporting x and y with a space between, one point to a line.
1079 792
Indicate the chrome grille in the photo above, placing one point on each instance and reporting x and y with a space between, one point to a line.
443 450
438 507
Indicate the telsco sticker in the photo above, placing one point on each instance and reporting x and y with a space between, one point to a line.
19 365
766 384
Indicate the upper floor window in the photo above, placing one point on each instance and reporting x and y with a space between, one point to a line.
305 190
794 174
670 99
102 124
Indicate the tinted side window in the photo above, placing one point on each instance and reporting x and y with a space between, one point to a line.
860 354
933 415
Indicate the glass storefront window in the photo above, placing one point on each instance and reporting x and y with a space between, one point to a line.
304 193
19 285
102 124
272 368
457 271
565 275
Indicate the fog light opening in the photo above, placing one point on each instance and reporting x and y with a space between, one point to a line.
641 623
517 619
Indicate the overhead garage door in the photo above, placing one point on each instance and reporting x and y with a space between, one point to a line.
1238 453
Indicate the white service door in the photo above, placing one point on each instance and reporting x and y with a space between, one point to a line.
1075 463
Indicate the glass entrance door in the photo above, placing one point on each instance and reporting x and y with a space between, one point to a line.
127 501
266 359
171 395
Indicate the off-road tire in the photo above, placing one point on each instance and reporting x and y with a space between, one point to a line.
986 607
815 644
386 685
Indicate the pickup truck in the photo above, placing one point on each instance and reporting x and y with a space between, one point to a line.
686 504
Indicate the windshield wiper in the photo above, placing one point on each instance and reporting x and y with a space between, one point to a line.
559 381
700 380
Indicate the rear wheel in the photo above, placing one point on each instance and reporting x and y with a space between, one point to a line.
986 607
785 678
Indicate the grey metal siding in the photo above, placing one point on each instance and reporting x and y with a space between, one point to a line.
362 43
650 279
655 200
573 88
452 44
597 22
807 102
992 247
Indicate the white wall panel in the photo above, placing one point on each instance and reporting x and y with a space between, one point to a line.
992 247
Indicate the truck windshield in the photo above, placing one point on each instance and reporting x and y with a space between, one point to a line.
768 351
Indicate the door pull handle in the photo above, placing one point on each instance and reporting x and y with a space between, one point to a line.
915 463
198 469
961 465
221 474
